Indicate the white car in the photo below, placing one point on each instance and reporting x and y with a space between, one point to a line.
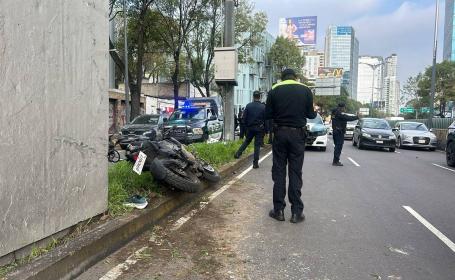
317 133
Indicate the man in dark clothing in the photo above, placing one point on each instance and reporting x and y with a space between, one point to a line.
254 120
241 123
289 104
339 121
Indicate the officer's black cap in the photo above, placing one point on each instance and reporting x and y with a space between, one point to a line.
288 73
341 105
256 94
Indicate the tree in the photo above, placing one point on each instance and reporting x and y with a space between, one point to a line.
286 54
445 84
175 22
200 46
139 15
249 28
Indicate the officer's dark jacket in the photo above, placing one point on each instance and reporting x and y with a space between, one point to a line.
340 119
254 114
290 103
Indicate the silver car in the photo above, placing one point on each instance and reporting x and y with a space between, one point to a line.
415 134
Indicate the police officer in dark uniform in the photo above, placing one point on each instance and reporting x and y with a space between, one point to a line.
289 104
254 120
339 121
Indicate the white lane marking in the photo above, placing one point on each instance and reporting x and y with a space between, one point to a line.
443 167
429 226
180 222
397 152
353 162
118 270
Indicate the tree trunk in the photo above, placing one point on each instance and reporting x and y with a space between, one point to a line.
175 79
207 89
136 96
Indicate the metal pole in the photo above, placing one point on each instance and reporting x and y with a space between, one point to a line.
229 89
111 61
127 87
433 74
372 88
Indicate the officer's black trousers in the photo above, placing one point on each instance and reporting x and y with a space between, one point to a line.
288 148
338 140
258 134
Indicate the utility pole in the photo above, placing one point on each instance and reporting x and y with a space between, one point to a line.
127 85
433 74
229 89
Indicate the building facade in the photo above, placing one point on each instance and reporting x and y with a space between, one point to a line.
257 75
313 60
449 31
370 80
342 50
391 86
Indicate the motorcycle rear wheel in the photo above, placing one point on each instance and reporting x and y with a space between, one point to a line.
184 180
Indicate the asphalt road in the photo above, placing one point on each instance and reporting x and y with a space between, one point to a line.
356 228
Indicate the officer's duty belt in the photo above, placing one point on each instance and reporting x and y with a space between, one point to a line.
289 128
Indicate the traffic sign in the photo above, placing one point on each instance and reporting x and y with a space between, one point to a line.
407 110
425 110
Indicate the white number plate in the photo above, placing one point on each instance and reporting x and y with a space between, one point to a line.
349 132
421 141
139 165
380 142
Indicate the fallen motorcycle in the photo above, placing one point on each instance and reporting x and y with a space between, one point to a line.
168 160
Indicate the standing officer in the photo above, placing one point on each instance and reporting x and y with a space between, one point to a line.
241 123
254 120
289 104
339 121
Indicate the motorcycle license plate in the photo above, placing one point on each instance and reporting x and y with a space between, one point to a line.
380 142
421 141
139 165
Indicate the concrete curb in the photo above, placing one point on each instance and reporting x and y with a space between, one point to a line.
71 259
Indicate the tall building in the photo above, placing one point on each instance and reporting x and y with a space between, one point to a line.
449 31
313 60
342 50
257 75
370 80
391 86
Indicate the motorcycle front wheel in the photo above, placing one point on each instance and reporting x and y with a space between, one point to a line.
210 174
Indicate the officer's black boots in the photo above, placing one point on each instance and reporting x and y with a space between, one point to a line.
255 165
337 163
237 156
296 218
277 215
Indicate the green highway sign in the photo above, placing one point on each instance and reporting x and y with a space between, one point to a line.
425 110
407 110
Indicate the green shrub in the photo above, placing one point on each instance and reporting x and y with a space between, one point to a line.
219 153
124 182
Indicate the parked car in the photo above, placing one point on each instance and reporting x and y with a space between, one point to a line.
415 134
140 125
197 121
317 133
450 149
374 133
350 126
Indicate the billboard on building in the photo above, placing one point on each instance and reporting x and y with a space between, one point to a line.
330 72
301 29
327 86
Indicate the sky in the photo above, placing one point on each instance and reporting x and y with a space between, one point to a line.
383 27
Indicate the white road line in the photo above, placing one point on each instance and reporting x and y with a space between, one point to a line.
353 161
180 222
118 270
443 167
429 226
397 152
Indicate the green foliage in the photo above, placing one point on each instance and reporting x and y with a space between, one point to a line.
327 103
286 54
219 153
249 28
123 182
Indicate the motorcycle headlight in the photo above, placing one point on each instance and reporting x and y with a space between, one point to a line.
366 135
198 131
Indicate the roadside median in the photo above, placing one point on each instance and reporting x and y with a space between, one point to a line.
78 254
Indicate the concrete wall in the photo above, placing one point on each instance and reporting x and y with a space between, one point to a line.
53 116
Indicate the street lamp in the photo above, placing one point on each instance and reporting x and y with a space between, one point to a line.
373 67
127 88
433 74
